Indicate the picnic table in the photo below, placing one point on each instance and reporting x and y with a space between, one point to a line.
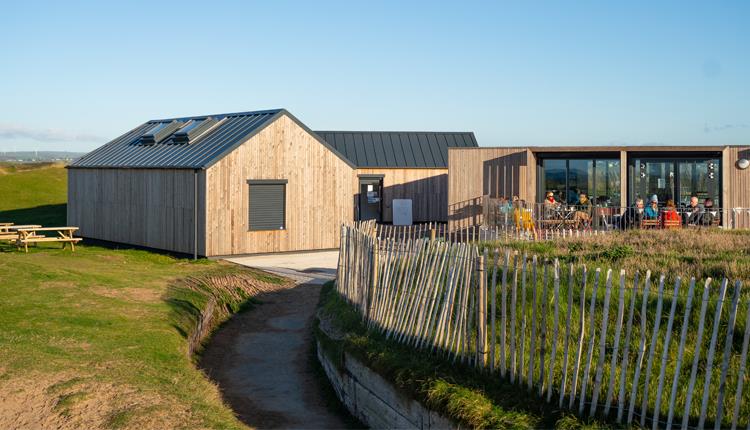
27 235
9 231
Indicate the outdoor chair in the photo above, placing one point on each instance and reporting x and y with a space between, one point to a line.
671 224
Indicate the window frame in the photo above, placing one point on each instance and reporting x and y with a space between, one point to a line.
250 183
574 156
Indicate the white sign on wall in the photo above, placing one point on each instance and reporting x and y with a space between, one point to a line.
402 212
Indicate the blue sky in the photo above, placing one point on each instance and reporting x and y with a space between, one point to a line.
73 76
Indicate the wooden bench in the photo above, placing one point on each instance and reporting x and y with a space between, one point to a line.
650 223
10 232
30 235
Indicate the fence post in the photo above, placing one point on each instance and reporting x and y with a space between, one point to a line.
432 235
481 312
375 250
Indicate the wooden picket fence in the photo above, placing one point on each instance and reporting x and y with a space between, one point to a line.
595 342
471 234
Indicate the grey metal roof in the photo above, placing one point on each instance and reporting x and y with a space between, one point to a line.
397 149
231 131
357 149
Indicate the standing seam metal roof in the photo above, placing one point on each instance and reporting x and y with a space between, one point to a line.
358 149
126 151
389 149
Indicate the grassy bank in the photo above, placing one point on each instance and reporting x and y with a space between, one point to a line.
99 338
459 392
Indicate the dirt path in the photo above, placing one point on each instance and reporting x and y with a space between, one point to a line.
261 361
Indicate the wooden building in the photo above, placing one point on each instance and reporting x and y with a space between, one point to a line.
612 176
252 182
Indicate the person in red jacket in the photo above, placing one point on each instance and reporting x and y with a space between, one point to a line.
670 214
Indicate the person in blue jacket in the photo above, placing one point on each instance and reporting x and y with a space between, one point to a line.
652 210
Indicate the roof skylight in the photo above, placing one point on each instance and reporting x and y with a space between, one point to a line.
193 129
159 132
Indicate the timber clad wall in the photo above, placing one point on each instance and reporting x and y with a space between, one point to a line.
736 186
427 188
475 172
145 207
318 193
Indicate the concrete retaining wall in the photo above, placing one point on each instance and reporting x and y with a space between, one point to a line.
374 400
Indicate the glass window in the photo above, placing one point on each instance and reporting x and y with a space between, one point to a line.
555 177
676 179
580 179
699 178
607 191
568 178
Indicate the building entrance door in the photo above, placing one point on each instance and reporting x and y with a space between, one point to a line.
370 204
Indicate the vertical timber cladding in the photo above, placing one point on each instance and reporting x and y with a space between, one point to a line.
318 193
475 172
426 187
736 184
145 207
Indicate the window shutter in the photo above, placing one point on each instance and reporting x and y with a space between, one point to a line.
267 205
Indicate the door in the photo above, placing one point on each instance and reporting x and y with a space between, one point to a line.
370 199
655 177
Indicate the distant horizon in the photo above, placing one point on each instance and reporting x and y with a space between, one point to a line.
75 76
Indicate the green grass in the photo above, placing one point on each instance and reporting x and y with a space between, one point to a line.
100 316
33 194
459 392
701 253
100 334
686 253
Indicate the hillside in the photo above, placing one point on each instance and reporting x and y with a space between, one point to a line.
33 193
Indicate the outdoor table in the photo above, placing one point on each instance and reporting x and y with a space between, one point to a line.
64 235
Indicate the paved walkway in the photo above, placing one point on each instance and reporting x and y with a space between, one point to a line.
316 267
261 359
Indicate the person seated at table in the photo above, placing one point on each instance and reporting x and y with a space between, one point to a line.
693 212
633 215
670 213
584 210
652 211
550 205
709 214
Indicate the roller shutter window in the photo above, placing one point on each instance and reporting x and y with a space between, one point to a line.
267 205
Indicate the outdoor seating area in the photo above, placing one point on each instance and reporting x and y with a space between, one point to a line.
23 235
535 220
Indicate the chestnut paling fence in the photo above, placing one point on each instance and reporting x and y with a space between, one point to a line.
659 351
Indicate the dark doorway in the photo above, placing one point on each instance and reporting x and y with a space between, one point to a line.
370 203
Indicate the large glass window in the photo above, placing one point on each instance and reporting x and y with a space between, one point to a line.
555 178
675 179
607 178
568 178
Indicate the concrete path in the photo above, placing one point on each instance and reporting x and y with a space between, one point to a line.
316 267
262 358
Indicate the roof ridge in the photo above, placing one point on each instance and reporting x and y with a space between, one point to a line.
393 131
221 115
